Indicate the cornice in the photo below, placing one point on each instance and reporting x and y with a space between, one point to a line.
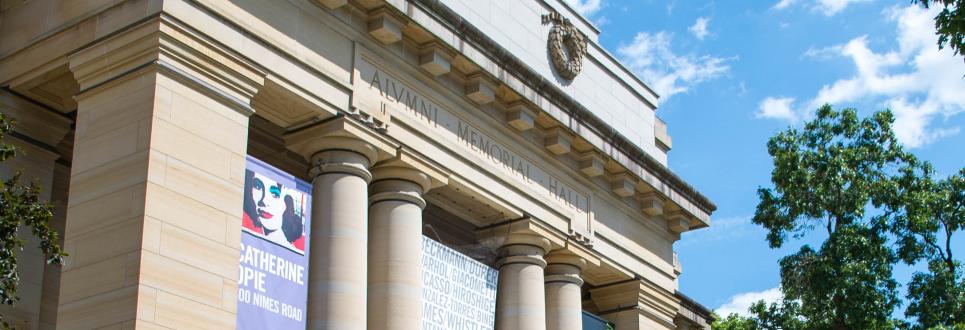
541 85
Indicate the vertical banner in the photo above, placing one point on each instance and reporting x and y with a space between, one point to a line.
459 292
273 274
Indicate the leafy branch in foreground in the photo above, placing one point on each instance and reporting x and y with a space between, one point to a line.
949 23
20 207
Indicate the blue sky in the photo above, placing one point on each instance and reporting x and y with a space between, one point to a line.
733 73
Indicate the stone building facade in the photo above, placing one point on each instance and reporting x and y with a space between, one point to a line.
500 128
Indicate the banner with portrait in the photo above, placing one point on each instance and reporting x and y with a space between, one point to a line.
273 273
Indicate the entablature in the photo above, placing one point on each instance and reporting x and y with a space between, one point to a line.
454 52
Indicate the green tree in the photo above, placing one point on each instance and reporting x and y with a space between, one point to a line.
927 215
949 23
732 322
835 174
783 315
20 206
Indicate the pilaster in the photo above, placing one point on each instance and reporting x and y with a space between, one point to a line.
158 170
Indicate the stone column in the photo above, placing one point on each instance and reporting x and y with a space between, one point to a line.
341 151
339 243
564 303
520 302
395 248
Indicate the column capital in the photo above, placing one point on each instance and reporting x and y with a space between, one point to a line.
407 165
340 133
564 278
563 266
525 231
348 161
407 176
565 258
575 254
399 184
521 259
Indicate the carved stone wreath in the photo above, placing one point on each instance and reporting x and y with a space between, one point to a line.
567 46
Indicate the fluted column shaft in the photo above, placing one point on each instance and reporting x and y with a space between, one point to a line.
564 303
520 302
337 274
395 249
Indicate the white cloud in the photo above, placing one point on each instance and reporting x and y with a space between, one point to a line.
911 121
825 53
740 303
650 57
601 21
777 108
917 81
729 229
699 29
831 7
783 4
826 7
585 7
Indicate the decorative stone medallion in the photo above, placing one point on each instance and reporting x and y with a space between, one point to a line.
567 46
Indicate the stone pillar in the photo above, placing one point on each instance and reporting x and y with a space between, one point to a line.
341 151
520 301
339 241
153 223
395 248
564 303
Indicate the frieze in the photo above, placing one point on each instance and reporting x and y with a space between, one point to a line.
396 98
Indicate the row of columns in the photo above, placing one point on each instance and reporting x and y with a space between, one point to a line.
366 252
536 292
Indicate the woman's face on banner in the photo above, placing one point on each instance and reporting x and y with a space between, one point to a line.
269 201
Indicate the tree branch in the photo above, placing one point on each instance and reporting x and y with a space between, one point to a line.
949 261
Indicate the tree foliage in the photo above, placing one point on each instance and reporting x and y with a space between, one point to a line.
927 214
784 315
733 322
874 204
949 23
832 175
20 207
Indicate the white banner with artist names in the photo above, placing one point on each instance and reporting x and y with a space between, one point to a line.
459 292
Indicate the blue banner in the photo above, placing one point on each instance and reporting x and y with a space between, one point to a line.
273 274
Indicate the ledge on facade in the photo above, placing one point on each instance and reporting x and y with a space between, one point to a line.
693 311
578 111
